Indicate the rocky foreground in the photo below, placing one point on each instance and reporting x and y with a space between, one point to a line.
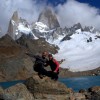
46 89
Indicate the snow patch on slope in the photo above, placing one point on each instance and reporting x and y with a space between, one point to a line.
26 30
79 54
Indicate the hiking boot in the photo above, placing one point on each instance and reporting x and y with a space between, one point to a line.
41 76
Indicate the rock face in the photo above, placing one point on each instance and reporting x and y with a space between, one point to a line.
13 24
92 93
49 18
77 26
17 92
14 63
36 46
47 89
18 26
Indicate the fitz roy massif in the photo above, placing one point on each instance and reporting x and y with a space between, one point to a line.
78 46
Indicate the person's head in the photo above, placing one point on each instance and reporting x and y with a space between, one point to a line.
44 54
50 56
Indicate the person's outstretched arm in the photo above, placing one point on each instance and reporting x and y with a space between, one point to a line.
36 57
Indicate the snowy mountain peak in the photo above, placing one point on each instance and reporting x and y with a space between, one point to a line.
49 18
18 26
13 25
15 17
91 29
77 26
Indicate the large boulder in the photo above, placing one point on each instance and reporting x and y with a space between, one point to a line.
17 92
95 93
14 63
47 89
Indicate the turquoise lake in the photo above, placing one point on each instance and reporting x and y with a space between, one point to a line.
75 83
81 82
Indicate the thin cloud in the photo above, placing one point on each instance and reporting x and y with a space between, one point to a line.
73 12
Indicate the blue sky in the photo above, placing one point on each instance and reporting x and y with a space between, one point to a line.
95 3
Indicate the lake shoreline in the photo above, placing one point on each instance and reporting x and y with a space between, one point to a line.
35 85
65 73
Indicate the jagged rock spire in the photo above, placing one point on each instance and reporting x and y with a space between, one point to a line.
49 18
77 26
13 24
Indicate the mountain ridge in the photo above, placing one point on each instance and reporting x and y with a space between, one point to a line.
75 43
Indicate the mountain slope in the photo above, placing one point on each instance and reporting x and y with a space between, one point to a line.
78 46
14 63
81 52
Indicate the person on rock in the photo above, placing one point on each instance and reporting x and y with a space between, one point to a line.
54 65
40 63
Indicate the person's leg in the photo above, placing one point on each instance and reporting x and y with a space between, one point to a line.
54 76
43 71
49 74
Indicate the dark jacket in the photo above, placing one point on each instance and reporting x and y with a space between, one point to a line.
54 65
39 60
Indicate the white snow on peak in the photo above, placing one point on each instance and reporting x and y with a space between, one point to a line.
41 27
79 53
13 22
26 30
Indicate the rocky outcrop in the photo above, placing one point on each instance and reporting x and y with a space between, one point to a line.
13 24
18 26
14 63
49 18
40 89
92 93
70 31
36 46
47 89
77 26
91 29
36 88
17 92
95 93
